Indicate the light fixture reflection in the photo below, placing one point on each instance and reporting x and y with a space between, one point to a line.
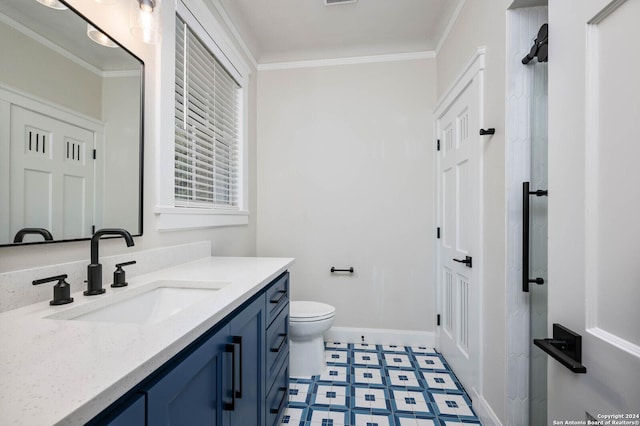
53 4
99 37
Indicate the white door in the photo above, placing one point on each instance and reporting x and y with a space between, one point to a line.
52 175
594 205
458 212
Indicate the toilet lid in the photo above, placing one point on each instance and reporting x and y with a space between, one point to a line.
310 311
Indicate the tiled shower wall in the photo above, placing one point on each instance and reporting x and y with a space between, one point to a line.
522 27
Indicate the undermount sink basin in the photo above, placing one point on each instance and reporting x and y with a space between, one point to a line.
149 304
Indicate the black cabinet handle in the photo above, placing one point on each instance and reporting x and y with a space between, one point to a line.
283 339
468 261
283 293
237 340
231 348
525 235
284 397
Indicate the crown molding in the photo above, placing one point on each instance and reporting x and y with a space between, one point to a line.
449 27
394 57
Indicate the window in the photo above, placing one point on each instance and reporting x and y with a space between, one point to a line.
207 126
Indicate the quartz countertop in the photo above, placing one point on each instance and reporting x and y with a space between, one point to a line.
56 371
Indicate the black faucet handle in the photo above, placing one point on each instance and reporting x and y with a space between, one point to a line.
119 278
61 291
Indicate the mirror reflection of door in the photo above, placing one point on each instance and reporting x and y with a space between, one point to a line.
52 176
51 68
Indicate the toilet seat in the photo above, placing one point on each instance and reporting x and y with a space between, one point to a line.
304 311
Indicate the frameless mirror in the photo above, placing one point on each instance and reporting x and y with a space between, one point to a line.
71 138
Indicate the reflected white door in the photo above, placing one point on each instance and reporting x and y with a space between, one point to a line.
52 175
458 205
594 205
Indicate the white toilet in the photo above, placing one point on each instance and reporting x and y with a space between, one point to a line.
308 321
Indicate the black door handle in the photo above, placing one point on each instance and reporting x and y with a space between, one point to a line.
467 261
525 235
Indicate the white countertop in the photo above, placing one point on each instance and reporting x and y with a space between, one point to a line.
67 372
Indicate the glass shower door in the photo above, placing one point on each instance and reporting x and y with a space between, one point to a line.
538 247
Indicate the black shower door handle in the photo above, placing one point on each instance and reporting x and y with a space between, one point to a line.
525 235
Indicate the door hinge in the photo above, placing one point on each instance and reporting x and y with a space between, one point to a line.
438 145
438 232
438 319
94 154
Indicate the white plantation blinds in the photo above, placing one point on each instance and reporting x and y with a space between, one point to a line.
207 127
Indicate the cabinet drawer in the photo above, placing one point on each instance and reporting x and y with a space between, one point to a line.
277 296
278 395
277 343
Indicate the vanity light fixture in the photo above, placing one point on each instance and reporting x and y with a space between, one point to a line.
53 4
99 37
147 5
145 20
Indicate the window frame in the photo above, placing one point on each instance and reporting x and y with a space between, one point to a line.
170 216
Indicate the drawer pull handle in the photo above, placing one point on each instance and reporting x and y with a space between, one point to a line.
283 293
283 339
284 397
231 348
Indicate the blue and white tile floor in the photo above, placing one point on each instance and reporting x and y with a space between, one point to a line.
374 385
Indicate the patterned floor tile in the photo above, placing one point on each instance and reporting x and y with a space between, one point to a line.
379 385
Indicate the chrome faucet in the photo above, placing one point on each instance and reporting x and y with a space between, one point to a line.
38 231
94 270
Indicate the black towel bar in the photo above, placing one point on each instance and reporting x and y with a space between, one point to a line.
334 269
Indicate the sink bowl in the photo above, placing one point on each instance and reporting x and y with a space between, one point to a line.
145 305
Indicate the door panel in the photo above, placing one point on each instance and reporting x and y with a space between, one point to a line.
52 176
594 204
458 200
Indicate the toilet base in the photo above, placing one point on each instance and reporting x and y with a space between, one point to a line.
306 358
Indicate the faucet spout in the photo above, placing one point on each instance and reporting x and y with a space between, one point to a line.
94 270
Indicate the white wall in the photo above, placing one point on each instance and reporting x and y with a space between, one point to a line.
121 153
225 241
24 61
345 175
483 23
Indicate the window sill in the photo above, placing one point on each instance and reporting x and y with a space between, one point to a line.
178 218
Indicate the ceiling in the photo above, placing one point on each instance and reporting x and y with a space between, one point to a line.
297 30
66 30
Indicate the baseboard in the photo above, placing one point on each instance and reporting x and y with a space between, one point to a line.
483 410
380 336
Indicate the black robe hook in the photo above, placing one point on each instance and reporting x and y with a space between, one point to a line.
540 46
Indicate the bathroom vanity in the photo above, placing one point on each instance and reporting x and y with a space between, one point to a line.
215 347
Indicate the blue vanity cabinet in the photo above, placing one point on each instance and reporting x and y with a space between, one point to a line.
225 377
247 332
195 390
220 382
133 414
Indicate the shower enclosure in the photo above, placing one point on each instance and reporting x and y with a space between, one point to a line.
527 171
538 246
